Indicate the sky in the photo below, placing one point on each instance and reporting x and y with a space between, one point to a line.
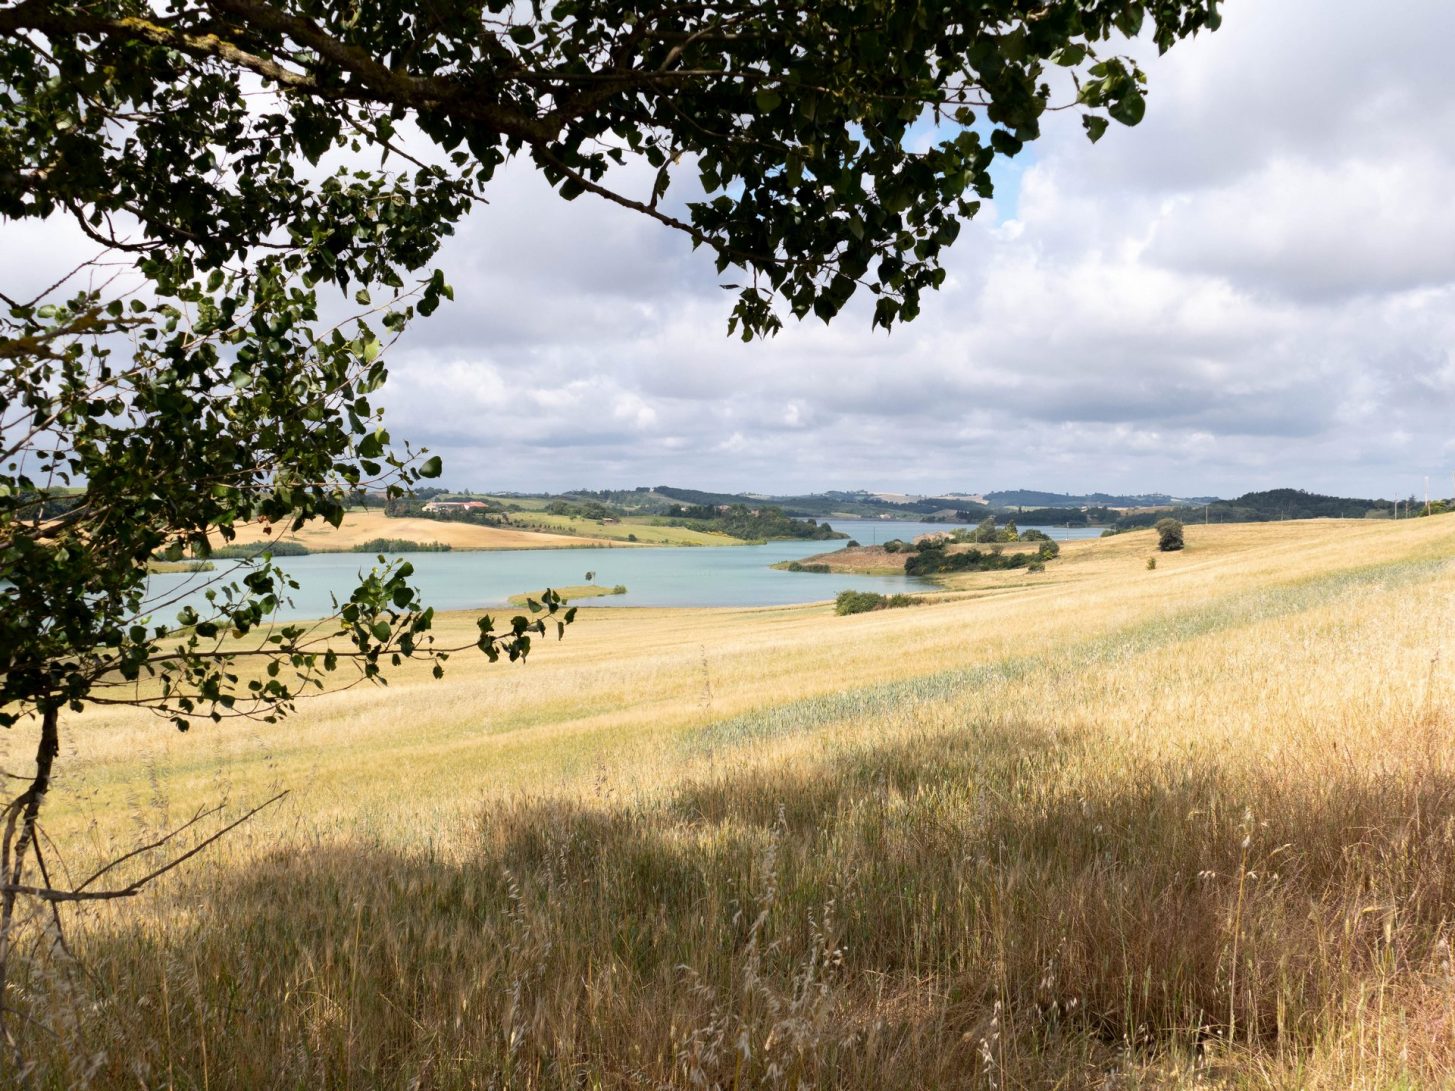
1254 288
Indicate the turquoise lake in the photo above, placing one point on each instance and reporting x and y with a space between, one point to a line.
665 576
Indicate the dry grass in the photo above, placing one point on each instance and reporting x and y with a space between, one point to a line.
640 530
359 527
872 560
1107 827
572 593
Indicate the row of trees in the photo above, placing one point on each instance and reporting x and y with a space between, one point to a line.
751 524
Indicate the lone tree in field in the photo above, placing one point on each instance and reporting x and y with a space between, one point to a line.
248 167
1169 535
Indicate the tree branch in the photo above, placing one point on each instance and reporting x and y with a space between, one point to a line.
79 894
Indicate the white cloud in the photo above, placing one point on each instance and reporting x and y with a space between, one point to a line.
1255 287
1252 288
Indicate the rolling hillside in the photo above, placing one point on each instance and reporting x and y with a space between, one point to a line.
1109 827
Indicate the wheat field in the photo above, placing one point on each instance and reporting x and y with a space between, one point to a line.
361 527
1101 827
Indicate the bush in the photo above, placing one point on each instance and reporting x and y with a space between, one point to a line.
631 537
862 602
619 589
1036 566
1151 563
1034 535
257 549
159 565
936 561
796 566
851 544
1169 535
1048 549
400 545
894 545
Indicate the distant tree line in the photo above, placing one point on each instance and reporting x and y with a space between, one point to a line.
750 524
1268 506
46 503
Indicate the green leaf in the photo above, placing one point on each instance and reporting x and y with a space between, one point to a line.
1095 126
1129 109
767 101
432 467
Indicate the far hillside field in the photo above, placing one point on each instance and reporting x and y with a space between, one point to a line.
644 531
1096 827
365 526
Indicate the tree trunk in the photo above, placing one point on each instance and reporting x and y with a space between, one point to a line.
22 812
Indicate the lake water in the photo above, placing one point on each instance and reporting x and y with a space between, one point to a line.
665 576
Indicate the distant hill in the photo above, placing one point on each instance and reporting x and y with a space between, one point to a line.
818 505
1025 506
696 496
1274 504
1032 498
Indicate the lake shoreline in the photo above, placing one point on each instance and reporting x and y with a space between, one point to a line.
484 580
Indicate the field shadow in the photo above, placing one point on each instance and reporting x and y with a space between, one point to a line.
932 911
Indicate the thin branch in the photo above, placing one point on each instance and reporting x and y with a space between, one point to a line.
198 817
49 894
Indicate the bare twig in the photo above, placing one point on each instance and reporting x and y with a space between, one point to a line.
46 893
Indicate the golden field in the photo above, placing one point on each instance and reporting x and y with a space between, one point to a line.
1100 827
639 530
359 527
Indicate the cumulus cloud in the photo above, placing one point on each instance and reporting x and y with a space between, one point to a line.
1255 287
1252 288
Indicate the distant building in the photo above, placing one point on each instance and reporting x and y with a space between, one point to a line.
456 505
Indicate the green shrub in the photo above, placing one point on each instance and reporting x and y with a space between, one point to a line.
1169 535
156 565
256 549
851 544
894 545
935 561
862 602
1034 535
619 589
1036 566
1048 549
400 545
1151 563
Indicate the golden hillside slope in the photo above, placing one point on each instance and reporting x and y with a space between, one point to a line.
359 527
1099 827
